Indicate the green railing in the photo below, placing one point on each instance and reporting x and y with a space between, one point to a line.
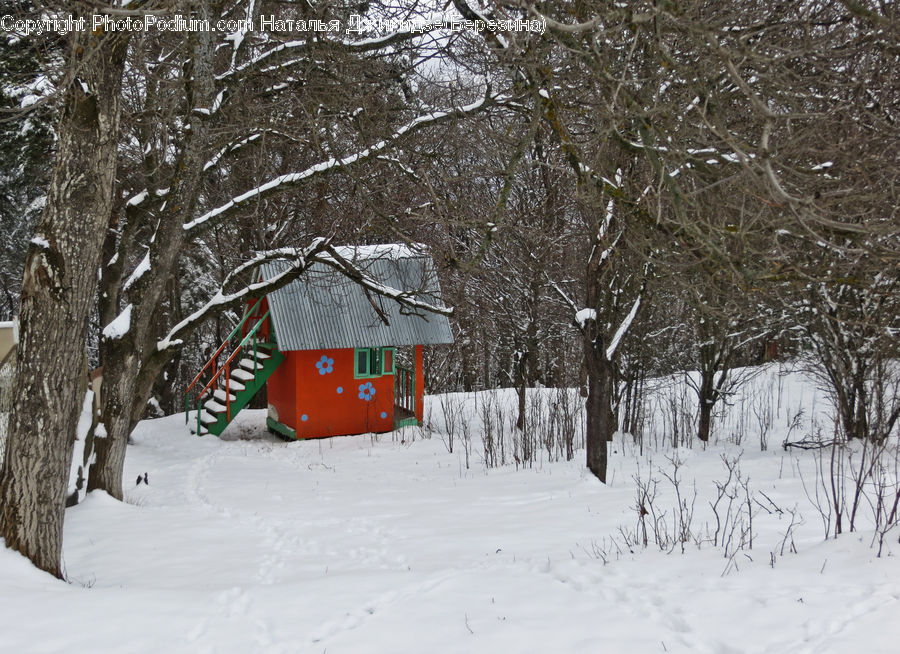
198 398
405 389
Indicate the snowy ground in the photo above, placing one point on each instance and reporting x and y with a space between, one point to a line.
362 544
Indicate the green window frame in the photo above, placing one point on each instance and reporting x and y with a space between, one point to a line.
371 362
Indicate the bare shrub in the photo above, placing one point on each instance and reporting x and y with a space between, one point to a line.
683 515
451 411
567 414
486 412
501 422
466 434
650 519
762 404
733 510
886 483
680 416
856 486
667 528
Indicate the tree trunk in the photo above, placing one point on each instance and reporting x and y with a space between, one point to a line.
854 413
706 399
521 386
601 423
715 360
117 396
131 363
57 296
166 385
705 410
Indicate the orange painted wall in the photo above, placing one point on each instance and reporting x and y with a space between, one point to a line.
328 400
420 385
282 390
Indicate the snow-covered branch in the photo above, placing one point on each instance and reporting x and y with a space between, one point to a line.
277 254
284 182
287 46
301 260
140 270
270 57
231 147
625 325
565 297
333 258
623 328
140 197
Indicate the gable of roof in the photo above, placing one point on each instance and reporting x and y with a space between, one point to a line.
324 309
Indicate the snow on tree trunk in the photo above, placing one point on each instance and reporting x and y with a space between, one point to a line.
117 391
57 296
124 355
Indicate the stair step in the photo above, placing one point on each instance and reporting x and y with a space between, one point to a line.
213 406
207 418
247 364
243 375
251 370
222 396
235 385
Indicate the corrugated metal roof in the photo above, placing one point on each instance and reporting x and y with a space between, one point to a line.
324 309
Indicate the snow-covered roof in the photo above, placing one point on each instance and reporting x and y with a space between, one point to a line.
324 309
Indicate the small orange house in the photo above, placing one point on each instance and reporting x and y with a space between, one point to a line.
352 359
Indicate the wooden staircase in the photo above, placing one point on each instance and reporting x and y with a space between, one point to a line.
211 406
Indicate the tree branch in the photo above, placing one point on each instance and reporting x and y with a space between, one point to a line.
285 182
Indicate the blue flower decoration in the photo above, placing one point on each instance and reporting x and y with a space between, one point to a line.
366 391
325 365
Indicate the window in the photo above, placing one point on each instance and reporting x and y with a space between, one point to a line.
373 362
364 363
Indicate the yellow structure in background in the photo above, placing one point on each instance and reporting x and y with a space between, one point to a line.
9 336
